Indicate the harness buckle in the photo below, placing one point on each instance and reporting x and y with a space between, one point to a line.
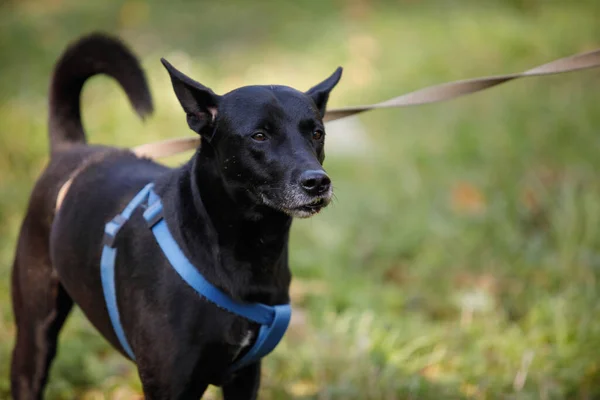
111 229
154 213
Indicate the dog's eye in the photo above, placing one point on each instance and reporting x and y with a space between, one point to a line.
259 136
317 134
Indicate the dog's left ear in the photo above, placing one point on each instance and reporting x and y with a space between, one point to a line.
320 92
199 102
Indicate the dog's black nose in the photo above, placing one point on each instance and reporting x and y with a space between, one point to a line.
315 182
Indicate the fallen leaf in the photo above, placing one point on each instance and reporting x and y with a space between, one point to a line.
468 199
303 388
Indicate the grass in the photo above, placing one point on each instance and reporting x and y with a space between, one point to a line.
461 258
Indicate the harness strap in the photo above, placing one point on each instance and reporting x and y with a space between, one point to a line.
107 266
255 312
274 320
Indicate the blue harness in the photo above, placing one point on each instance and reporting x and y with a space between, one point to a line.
274 320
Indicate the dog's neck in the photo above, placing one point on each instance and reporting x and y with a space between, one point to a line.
249 253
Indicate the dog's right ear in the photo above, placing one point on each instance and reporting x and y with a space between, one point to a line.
199 102
320 93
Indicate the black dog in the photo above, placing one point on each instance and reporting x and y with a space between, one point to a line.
229 208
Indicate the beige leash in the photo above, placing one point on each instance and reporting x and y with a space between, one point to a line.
432 94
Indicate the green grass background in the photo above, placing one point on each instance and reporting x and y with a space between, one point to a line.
461 258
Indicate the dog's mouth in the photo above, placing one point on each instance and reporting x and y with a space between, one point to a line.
299 209
308 209
313 207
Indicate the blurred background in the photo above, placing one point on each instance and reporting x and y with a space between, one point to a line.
461 258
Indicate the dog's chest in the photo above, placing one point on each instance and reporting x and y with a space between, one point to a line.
245 342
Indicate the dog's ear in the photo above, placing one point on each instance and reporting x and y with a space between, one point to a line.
320 92
199 102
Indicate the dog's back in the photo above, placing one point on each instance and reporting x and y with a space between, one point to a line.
39 301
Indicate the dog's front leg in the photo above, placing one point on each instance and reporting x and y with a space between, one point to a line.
244 385
157 390
184 377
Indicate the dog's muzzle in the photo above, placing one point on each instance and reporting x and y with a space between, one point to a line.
305 199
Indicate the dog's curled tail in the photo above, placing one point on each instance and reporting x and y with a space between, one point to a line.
93 54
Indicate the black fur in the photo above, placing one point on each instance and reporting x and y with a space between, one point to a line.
94 54
230 209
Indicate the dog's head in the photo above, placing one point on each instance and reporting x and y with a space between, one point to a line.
267 141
